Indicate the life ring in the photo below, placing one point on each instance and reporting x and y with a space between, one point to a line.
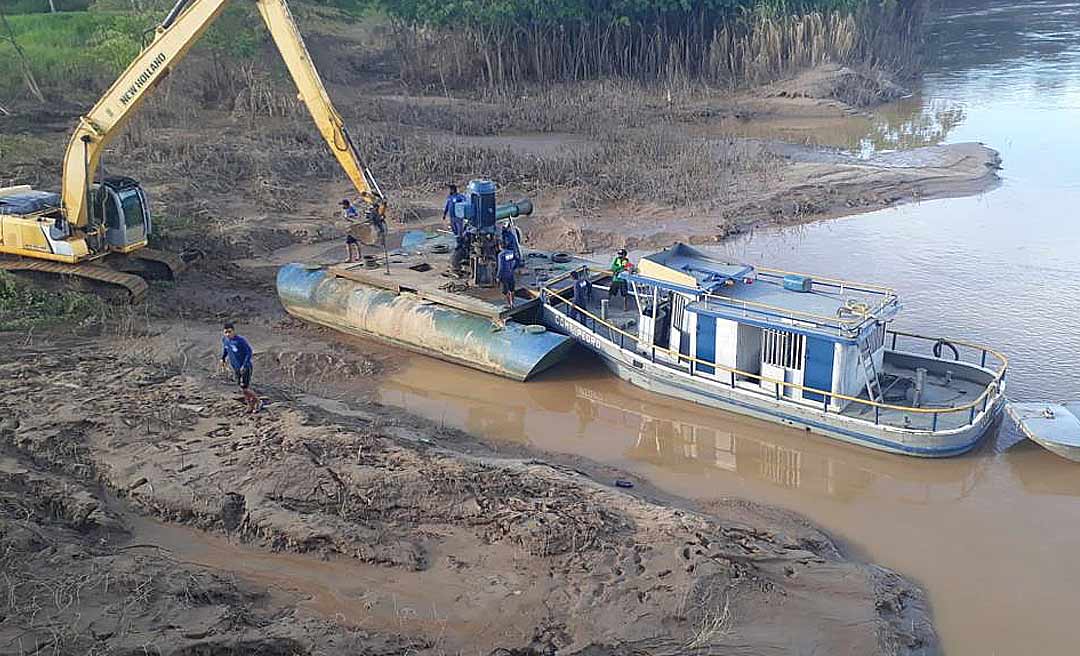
938 347
852 306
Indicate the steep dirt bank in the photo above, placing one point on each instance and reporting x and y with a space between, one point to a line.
429 540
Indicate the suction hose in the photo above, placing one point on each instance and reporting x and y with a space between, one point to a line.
941 344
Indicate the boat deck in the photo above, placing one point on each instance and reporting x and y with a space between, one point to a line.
937 393
424 271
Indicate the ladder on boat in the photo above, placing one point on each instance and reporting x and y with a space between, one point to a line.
873 383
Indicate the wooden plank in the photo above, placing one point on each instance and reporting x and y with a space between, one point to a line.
383 281
423 285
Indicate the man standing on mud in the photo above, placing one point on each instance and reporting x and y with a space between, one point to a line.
236 353
448 213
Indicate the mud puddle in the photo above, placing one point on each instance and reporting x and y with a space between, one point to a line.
349 592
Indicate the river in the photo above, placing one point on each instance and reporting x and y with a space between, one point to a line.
994 536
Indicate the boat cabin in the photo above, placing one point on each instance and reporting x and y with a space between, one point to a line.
807 339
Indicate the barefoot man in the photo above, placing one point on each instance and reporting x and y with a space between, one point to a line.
236 353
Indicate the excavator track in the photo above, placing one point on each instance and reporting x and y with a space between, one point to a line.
135 286
149 263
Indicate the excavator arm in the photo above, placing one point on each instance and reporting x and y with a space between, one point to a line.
180 30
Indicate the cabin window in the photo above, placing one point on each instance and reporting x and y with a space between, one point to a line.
678 310
781 348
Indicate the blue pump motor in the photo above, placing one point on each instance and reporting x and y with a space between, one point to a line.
481 194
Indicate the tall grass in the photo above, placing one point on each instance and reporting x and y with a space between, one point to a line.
70 51
756 41
78 52
41 6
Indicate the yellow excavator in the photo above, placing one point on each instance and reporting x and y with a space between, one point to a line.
97 230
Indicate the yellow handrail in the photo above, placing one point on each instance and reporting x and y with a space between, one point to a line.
810 315
887 406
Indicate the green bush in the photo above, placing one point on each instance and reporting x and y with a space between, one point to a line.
10 7
70 51
23 307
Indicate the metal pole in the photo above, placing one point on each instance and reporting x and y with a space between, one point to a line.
385 250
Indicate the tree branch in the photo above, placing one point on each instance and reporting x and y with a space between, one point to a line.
28 74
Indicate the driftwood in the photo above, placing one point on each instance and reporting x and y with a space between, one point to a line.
4 111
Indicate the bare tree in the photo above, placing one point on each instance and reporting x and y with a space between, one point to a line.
28 73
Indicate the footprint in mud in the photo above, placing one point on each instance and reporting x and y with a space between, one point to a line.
233 508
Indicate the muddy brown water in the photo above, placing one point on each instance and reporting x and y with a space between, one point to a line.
994 536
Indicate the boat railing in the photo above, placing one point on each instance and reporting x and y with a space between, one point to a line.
924 418
844 326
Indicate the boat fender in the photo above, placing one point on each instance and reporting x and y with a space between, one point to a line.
941 343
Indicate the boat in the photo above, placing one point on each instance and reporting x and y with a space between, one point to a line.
1053 426
810 352
415 297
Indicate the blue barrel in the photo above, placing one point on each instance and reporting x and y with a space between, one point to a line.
316 295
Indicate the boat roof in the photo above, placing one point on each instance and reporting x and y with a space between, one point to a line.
690 267
759 296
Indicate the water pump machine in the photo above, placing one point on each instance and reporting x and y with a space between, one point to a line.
483 237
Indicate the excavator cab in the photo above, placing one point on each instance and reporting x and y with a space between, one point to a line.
120 206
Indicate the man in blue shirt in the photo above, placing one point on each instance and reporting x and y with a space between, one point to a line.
236 353
452 199
507 263
583 294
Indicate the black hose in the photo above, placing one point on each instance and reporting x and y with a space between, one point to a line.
938 347
173 13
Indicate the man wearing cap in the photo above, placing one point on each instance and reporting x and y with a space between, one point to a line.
620 269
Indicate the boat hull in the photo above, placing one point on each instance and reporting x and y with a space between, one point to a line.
1058 432
660 379
316 295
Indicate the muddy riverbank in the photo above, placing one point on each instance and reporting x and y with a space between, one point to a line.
360 525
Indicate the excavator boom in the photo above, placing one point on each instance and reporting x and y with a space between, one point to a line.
290 44
181 29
